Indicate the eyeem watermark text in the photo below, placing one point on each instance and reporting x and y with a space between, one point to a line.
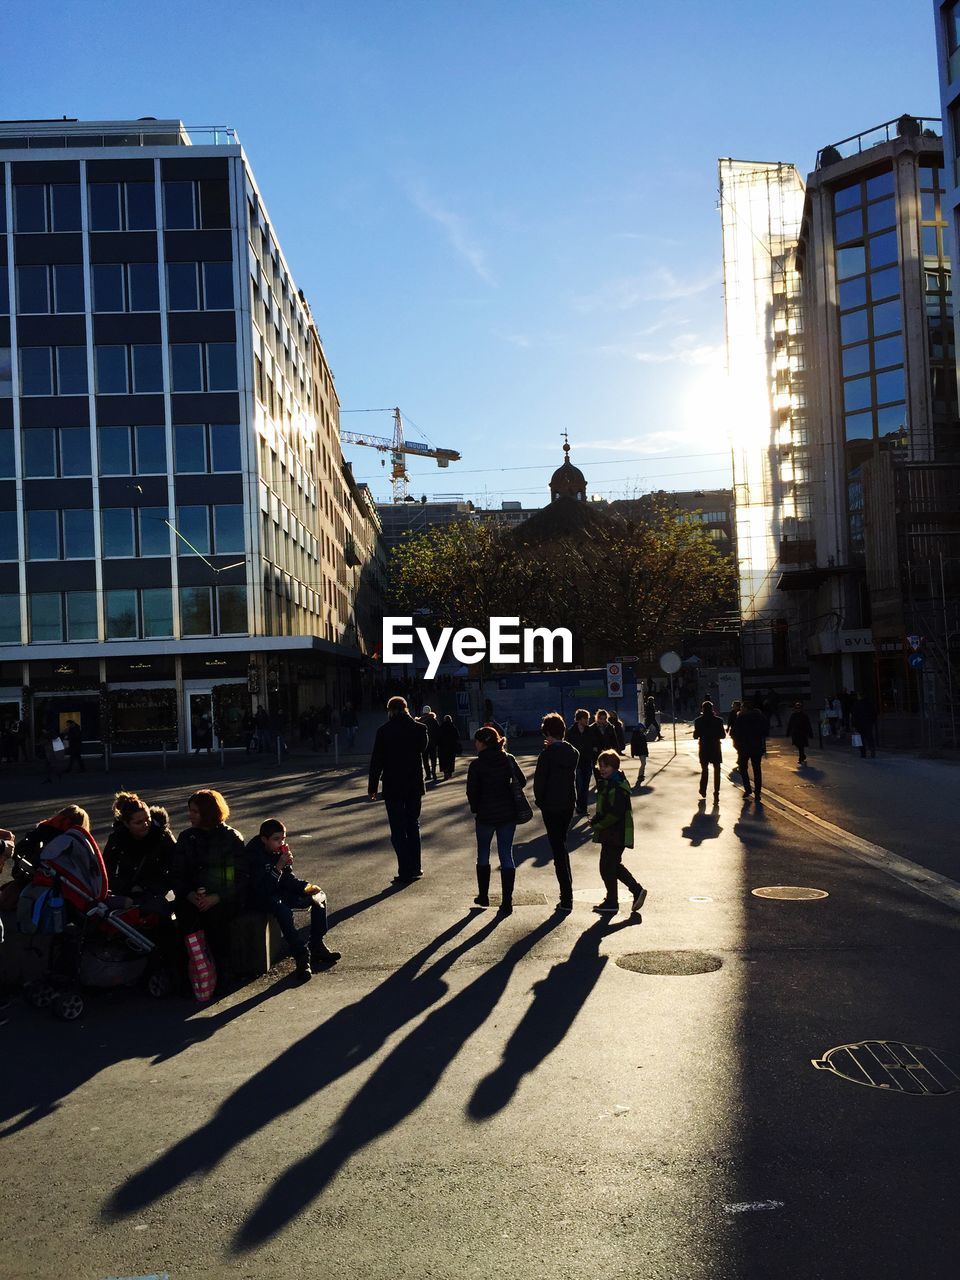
507 643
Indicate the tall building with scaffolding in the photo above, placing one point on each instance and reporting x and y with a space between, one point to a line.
761 206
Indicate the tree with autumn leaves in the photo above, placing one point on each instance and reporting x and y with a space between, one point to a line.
620 586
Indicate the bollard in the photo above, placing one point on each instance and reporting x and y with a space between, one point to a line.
164 756
336 749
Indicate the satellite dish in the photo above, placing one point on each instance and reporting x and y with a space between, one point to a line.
670 662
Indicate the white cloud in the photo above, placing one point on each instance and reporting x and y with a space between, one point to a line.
658 285
457 233
685 349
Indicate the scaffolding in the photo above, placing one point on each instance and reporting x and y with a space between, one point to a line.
761 205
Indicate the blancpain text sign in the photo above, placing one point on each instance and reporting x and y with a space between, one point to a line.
506 643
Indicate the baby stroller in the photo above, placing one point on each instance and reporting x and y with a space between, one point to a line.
97 940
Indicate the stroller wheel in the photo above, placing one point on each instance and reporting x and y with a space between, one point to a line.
160 984
40 994
69 1006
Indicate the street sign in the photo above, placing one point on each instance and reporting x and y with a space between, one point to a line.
915 660
614 680
670 662
628 659
914 642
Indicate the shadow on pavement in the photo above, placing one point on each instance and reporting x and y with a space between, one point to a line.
399 1085
703 825
557 999
355 908
329 1051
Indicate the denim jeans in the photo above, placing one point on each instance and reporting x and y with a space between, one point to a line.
403 811
504 833
283 911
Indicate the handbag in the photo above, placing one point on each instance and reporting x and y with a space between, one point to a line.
200 966
520 802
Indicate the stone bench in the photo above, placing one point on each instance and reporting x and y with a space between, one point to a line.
256 943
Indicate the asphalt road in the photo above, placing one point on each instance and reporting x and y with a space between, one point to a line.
471 1096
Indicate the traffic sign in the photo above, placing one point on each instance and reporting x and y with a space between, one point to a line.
670 662
914 642
915 660
614 680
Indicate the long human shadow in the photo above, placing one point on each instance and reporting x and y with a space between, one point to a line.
354 908
46 1075
703 825
399 1085
329 1051
557 999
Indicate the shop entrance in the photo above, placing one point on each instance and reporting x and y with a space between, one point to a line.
200 735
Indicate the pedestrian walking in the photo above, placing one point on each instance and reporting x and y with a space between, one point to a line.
555 794
864 721
397 762
650 721
612 825
616 724
490 792
708 730
604 738
275 890
750 735
448 747
640 750
834 716
75 747
349 721
799 731
429 721
580 736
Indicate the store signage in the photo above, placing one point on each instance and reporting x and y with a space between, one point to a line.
215 662
858 641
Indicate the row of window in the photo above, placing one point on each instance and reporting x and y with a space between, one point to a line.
120 370
119 206
124 451
125 531
58 288
136 614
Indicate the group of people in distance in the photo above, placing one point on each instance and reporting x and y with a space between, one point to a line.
495 793
199 881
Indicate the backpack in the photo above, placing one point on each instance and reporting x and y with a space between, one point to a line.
40 909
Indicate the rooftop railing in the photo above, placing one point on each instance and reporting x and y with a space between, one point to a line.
904 126
23 136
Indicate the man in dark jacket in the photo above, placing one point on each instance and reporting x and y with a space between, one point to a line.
75 746
709 731
750 739
580 736
428 718
397 759
863 717
555 792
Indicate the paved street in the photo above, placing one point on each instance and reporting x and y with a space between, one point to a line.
472 1096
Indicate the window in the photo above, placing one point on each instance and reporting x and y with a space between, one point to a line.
117 530
46 617
856 394
53 451
151 450
228 529
81 615
41 290
200 449
856 360
186 366
123 369
77 534
133 286
9 619
180 205
183 293
882 214
890 386
881 185
193 524
195 286
121 615
9 536
122 206
157 610
221 366
33 291
231 610
6 371
4 282
883 249
884 284
47 371
68 295
46 208
116 457
851 261
218 286
847 197
43 535
153 531
849 226
886 317
195 611
887 351
853 326
7 456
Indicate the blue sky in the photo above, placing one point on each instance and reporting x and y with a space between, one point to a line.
503 214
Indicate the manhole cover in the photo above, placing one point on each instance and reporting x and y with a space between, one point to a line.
680 964
790 893
888 1064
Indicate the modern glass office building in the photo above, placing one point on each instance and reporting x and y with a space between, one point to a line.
178 538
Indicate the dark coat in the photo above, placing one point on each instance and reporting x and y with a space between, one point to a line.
432 725
397 757
799 728
585 744
147 864
215 860
709 731
266 881
620 735
448 745
604 737
554 781
490 786
864 715
750 731
638 743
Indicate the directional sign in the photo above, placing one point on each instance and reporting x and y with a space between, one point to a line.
914 642
915 660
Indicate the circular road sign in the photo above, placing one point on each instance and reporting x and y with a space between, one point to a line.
670 662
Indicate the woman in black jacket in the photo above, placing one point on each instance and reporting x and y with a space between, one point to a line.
211 870
139 853
490 781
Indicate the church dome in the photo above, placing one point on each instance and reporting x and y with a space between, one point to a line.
568 481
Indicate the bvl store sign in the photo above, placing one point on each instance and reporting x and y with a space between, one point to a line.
860 641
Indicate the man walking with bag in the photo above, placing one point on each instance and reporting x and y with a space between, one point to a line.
397 760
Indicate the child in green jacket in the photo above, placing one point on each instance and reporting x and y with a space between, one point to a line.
612 825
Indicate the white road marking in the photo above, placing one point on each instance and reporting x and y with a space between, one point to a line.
940 888
753 1206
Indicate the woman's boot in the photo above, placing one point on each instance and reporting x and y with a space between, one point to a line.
507 879
483 885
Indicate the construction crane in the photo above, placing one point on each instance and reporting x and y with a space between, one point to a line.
397 448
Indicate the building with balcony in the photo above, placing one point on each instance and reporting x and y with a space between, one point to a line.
174 515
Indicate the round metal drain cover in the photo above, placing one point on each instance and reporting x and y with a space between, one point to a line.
790 893
674 964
